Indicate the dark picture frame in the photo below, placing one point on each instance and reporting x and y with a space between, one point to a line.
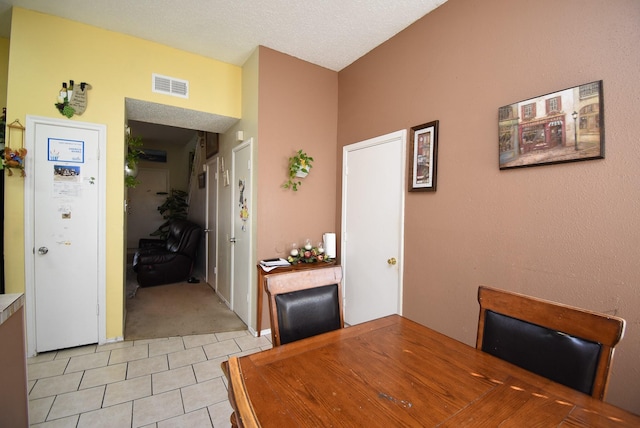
211 144
202 178
153 155
559 127
423 149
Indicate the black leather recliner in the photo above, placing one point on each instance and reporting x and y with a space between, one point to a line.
167 261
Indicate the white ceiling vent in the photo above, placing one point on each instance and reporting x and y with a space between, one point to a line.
170 86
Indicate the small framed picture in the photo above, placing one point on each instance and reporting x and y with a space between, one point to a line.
424 156
153 155
202 180
211 144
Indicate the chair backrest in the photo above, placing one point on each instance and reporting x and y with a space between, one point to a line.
568 345
304 303
183 238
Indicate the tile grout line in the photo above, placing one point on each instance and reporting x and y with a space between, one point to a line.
95 350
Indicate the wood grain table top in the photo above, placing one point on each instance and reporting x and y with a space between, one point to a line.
395 372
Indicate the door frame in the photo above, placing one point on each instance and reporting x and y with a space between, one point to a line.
382 139
29 224
212 165
234 197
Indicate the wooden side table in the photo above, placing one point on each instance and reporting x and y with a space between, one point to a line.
262 281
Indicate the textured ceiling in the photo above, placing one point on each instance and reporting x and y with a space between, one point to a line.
159 136
329 33
177 124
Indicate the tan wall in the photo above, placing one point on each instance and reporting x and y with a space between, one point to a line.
568 232
298 110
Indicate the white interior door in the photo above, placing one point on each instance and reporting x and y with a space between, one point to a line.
143 217
241 229
373 227
211 230
65 253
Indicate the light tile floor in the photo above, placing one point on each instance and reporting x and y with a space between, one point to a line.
158 383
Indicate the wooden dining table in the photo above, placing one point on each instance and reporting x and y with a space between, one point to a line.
394 372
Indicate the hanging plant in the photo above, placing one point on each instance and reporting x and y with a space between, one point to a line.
131 161
299 166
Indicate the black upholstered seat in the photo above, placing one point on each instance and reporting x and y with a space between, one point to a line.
309 312
568 345
304 303
565 359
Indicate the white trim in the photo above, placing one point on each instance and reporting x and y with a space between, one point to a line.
29 225
250 313
212 165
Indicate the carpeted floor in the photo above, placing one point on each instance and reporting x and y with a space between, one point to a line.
180 309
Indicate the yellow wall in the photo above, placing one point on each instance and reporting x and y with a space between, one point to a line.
46 51
4 65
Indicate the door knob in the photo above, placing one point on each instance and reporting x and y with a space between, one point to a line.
392 261
232 240
43 250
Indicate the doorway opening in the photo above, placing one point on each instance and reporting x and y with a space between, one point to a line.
177 140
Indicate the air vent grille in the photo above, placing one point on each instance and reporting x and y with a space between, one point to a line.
170 86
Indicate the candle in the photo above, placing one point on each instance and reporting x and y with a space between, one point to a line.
330 245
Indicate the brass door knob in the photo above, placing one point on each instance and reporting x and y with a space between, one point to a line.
392 261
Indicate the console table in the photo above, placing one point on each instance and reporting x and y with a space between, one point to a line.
262 281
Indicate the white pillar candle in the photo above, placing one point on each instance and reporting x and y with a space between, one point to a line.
330 245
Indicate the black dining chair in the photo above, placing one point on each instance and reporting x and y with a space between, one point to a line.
568 345
304 303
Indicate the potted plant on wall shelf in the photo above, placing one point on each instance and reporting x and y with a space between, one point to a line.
299 166
131 161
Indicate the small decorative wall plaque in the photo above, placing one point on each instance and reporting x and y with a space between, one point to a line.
72 99
14 157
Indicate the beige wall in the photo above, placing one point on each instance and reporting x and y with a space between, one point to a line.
569 232
228 141
298 110
177 161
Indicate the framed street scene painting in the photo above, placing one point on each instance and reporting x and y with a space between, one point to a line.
563 126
